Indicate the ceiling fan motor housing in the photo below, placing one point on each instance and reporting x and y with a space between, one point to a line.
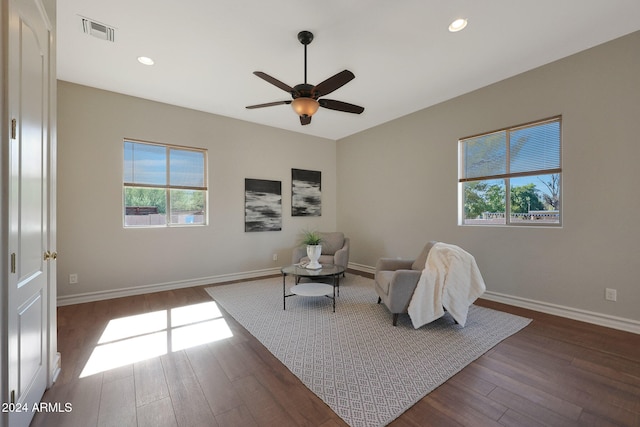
303 90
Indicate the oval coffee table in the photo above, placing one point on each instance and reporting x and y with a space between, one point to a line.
312 289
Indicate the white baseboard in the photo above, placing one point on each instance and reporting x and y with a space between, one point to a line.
57 367
167 286
362 267
606 320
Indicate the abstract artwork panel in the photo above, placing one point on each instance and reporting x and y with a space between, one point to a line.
262 205
306 192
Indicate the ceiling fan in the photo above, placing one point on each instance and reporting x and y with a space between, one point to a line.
306 100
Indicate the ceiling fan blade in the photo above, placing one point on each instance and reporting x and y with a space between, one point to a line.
305 120
332 104
333 83
273 81
268 104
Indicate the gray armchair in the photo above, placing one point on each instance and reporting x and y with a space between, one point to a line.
335 250
396 279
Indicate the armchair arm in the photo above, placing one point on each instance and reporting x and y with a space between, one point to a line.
341 257
403 284
392 264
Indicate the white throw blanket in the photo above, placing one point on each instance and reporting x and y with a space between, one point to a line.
450 279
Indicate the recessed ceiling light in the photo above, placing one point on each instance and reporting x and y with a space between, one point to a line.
458 25
145 60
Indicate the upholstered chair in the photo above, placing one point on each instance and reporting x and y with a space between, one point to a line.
396 279
335 250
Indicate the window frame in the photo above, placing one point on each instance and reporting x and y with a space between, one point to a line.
507 176
167 187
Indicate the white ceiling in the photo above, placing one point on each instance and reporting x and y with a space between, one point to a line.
401 52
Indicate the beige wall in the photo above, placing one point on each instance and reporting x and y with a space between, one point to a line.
108 258
398 183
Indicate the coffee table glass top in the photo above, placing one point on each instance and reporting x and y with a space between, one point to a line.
326 270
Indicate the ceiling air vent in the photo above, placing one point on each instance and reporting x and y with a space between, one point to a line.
98 30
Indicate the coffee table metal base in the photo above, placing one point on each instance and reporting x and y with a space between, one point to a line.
315 290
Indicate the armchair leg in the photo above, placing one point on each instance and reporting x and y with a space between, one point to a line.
379 300
395 319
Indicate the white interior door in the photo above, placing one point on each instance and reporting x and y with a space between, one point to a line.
28 312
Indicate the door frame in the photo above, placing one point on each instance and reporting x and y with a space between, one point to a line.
53 365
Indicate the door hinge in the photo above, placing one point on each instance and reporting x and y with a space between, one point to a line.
13 128
13 262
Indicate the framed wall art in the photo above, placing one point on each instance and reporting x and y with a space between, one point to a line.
306 192
262 205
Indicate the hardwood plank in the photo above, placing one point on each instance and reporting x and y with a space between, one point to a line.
590 419
530 386
158 413
118 373
189 404
118 404
465 415
238 416
264 409
609 366
470 382
84 396
151 384
512 418
425 414
215 385
483 405
235 362
531 408
331 423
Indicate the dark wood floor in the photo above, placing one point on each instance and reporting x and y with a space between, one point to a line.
555 372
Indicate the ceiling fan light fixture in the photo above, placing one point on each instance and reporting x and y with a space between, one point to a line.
305 106
458 25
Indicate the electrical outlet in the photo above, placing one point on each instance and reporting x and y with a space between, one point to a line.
275 257
73 279
610 294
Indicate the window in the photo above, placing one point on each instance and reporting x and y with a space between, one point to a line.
164 185
512 176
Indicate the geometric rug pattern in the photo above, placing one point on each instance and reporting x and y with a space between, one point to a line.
368 371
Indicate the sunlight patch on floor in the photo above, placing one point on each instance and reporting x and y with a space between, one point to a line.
135 338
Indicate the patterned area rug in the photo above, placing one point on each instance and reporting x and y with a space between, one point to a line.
368 371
